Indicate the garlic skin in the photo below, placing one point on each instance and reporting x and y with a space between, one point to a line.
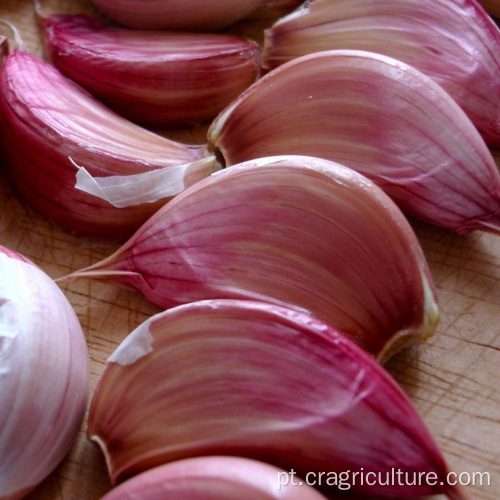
379 116
177 14
152 78
453 41
293 230
251 379
213 478
49 126
44 372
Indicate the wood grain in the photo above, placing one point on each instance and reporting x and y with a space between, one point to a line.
453 379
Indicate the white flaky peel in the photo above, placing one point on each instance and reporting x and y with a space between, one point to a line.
453 41
162 79
215 478
123 191
266 382
44 375
379 116
294 230
50 127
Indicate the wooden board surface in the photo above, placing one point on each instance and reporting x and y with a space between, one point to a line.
453 379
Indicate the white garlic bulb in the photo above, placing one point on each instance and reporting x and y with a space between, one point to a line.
44 375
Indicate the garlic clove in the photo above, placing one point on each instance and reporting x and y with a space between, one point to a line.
214 478
453 41
296 230
379 116
152 78
183 15
48 125
44 371
251 379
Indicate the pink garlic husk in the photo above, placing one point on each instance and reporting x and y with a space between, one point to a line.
44 372
215 478
161 79
183 15
294 230
266 382
52 132
454 42
379 116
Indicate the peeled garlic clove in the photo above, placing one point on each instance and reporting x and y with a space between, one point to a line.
453 41
177 14
246 378
49 126
379 116
214 478
290 230
44 372
152 78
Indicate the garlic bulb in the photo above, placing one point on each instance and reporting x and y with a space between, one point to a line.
152 78
379 116
252 379
297 230
214 478
453 41
44 374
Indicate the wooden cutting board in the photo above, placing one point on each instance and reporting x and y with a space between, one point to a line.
453 379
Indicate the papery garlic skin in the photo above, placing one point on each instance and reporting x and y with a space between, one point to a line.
453 41
293 230
177 14
379 116
44 374
251 379
214 478
153 78
49 125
